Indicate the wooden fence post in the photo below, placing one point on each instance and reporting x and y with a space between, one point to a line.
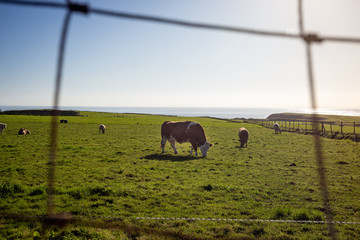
341 124
312 127
289 126
294 126
331 128
354 133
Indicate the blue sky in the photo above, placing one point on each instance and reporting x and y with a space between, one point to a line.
121 62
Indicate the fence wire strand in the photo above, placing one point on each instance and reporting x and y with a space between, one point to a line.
84 8
55 117
318 147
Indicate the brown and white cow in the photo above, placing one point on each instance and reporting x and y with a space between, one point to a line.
186 131
243 136
24 131
102 128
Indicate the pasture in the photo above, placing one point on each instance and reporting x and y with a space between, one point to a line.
122 174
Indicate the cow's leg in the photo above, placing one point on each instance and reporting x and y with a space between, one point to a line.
195 149
163 142
173 146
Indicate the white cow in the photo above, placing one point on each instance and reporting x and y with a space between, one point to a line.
276 128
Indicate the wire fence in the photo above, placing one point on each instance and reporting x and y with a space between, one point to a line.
328 129
308 38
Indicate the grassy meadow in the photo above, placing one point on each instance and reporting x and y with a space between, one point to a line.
122 174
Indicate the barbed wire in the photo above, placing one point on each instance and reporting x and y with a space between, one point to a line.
318 147
308 38
85 9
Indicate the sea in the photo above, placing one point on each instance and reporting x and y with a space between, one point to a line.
224 113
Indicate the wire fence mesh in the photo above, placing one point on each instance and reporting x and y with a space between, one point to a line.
308 38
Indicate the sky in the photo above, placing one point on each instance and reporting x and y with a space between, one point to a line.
120 62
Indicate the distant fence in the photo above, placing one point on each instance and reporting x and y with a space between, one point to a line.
328 129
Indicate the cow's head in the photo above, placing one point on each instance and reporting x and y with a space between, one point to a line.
204 148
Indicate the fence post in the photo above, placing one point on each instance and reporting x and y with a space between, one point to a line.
306 128
354 133
331 128
312 127
294 126
289 127
341 125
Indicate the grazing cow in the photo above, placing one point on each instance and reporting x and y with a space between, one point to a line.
185 131
2 127
102 128
243 136
24 131
276 128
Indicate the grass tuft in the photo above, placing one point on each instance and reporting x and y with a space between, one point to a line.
8 189
101 191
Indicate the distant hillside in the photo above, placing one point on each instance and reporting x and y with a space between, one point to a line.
308 117
42 112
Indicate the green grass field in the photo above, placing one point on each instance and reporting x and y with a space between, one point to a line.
122 174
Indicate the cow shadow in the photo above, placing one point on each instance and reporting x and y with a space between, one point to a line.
169 157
